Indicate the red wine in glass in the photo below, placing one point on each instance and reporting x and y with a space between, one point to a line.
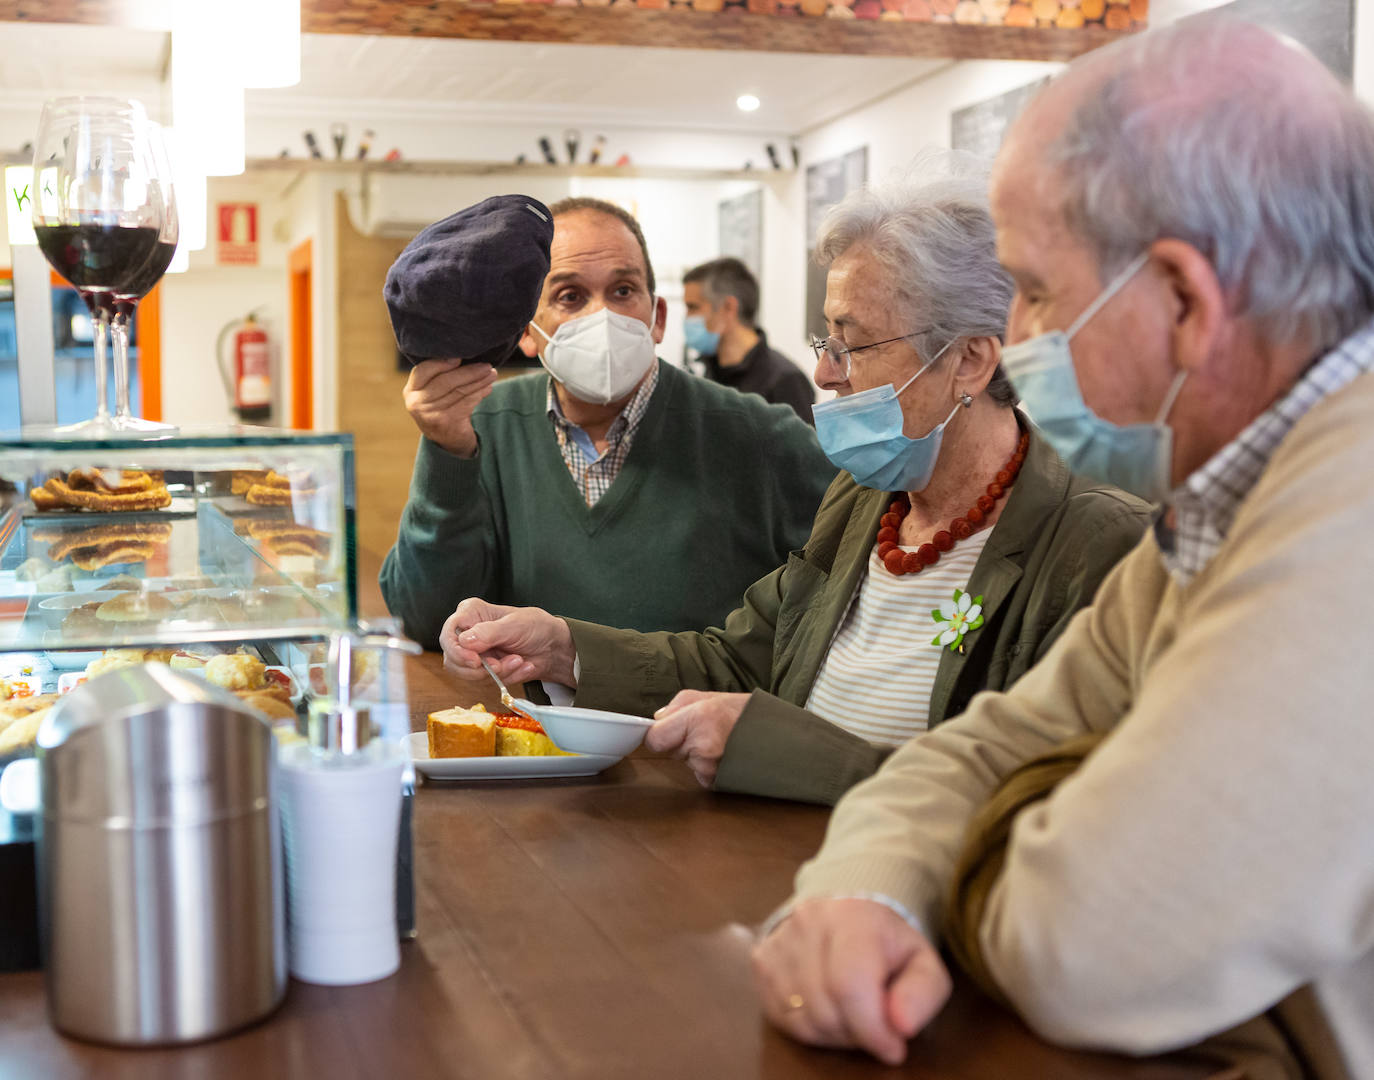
160 205
99 258
102 212
101 261
119 312
148 275
99 304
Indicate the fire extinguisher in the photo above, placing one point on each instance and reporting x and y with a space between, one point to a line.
248 372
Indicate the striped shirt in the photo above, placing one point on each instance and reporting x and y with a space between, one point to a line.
877 676
595 472
1206 503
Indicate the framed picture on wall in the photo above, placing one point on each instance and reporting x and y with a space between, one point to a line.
1326 28
827 182
980 128
740 222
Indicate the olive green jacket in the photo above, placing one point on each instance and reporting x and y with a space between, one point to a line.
1055 541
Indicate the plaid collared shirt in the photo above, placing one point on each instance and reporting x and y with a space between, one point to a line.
594 474
1206 503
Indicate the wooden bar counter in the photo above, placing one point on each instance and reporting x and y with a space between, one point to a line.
581 929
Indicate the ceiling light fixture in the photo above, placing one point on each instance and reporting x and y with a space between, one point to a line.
747 102
189 184
271 54
210 120
207 96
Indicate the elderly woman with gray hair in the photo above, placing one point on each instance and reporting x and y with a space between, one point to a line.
944 560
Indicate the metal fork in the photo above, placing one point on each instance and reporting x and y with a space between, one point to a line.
506 698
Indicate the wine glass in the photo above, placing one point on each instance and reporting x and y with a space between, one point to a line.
99 209
134 289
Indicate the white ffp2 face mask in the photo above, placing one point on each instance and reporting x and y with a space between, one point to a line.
600 357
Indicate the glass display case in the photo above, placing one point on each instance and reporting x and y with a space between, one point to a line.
228 553
193 538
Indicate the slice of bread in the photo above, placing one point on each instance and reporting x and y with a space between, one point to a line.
461 733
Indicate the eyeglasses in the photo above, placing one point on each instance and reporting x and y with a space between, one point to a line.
839 353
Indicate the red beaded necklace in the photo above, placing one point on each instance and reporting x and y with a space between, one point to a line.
901 562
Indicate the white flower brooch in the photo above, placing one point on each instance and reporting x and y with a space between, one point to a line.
957 617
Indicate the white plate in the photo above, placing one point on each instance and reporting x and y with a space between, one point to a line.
416 744
292 686
21 686
69 681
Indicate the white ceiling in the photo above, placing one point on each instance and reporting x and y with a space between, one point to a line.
39 60
480 80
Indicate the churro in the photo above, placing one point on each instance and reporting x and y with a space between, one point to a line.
104 491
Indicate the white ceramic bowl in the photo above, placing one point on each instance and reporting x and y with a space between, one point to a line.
71 660
589 731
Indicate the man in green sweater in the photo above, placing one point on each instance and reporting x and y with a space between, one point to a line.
615 489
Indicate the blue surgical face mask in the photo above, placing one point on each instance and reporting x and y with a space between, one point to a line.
862 434
1136 457
698 337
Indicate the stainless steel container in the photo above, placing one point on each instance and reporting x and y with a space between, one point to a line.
159 861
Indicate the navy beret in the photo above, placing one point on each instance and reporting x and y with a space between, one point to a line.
467 285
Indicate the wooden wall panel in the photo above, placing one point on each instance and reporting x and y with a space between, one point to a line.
958 29
369 384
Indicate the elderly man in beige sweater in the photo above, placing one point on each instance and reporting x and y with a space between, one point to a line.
1189 219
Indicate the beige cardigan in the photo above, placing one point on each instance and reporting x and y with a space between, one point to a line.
1217 852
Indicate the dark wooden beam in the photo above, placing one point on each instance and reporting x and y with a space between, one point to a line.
678 26
139 14
686 28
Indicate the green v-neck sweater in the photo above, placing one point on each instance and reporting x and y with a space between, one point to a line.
717 488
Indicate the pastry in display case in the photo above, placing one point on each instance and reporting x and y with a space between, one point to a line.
228 554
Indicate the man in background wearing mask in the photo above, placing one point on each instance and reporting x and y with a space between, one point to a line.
1180 845
615 488
722 301
945 559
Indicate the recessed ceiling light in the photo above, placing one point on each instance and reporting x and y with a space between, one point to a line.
747 102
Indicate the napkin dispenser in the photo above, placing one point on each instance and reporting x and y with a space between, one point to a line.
159 860
346 907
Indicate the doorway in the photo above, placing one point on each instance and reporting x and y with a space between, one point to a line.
300 266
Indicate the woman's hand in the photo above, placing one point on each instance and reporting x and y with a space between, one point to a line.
695 726
520 644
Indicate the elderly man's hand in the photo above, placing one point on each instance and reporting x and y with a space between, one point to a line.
519 643
695 726
440 396
848 972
